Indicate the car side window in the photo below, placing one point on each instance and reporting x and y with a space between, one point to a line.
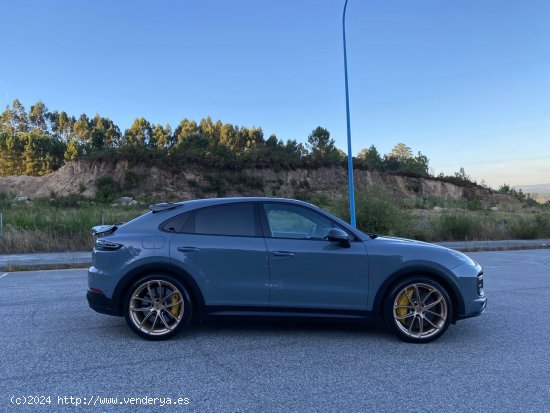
179 223
289 221
231 219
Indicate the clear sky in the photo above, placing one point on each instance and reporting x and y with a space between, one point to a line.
466 82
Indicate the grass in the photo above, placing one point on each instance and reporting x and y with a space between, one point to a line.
458 220
56 225
63 224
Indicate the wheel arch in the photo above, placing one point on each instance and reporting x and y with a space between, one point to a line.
160 268
437 275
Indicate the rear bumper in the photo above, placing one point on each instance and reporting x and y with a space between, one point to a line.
98 302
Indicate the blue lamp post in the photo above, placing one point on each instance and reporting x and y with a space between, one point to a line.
350 160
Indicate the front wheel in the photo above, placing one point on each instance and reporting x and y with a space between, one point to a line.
157 307
418 310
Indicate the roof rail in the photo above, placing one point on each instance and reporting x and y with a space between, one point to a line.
163 206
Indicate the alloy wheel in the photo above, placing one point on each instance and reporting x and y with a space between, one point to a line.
156 307
420 311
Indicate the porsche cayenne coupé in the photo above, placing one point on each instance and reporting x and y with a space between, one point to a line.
274 258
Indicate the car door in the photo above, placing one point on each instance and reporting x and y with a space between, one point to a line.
223 249
308 273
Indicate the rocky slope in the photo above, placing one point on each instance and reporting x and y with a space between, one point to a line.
81 176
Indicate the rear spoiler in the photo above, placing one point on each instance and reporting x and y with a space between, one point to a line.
102 230
163 206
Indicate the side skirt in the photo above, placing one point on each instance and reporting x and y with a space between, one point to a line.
287 312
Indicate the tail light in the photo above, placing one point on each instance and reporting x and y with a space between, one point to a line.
103 245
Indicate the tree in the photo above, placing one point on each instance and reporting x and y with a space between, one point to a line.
272 142
401 159
293 154
401 152
15 146
462 176
161 137
421 164
7 121
209 129
229 136
38 116
65 126
112 133
255 137
139 133
185 128
370 158
11 150
14 119
505 189
42 153
104 134
321 147
82 129
20 118
72 151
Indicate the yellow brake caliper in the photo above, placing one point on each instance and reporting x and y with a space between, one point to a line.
402 301
175 307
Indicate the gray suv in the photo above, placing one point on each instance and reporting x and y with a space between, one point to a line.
274 258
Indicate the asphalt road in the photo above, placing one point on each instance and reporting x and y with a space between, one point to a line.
53 345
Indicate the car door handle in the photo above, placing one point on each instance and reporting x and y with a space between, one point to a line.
188 249
283 254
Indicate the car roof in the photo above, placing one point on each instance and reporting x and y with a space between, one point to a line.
194 203
144 220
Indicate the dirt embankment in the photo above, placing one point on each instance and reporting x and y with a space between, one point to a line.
81 176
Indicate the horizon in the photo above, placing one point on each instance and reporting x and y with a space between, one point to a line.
465 84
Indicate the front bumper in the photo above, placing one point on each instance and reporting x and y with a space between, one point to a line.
477 307
98 302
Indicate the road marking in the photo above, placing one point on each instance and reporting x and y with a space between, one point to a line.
3 275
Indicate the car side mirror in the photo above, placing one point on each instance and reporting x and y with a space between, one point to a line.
339 236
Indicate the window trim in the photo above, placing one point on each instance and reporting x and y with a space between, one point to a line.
267 229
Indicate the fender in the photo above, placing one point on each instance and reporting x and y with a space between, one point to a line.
148 268
440 274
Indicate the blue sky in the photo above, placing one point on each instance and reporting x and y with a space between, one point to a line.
466 82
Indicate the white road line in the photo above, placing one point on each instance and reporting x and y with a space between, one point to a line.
3 275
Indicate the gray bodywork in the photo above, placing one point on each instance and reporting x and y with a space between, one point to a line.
229 275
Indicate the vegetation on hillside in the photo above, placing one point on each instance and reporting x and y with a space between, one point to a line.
39 141
64 223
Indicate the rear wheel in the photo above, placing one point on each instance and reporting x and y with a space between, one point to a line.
418 310
157 307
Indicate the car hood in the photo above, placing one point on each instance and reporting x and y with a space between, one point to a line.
417 251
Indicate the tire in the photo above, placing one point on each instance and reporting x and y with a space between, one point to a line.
157 307
418 310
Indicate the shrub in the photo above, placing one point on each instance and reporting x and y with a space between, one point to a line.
456 227
523 228
215 184
376 211
5 200
131 180
81 187
107 189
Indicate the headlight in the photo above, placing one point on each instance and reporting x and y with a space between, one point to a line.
103 245
480 289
